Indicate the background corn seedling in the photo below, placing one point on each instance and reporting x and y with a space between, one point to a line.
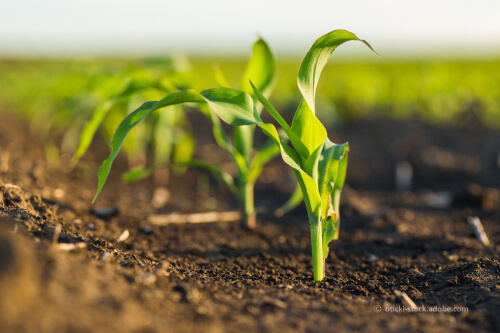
156 142
248 162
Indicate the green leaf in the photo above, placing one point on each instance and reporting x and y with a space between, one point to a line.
240 163
219 173
90 129
307 184
184 149
310 165
288 155
139 84
308 128
328 167
116 142
316 59
219 134
295 199
260 69
331 175
233 106
337 189
243 141
330 228
133 86
262 156
296 142
137 173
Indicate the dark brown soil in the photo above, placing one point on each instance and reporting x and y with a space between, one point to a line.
217 277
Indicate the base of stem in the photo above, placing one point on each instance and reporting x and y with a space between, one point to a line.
249 221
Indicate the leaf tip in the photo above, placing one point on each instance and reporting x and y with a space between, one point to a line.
369 46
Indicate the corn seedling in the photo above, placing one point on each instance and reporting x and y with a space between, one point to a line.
319 164
248 166
164 135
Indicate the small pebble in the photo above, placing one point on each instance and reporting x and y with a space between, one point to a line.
58 193
71 246
440 199
148 279
124 263
124 236
414 271
146 230
105 256
160 197
104 211
92 226
404 175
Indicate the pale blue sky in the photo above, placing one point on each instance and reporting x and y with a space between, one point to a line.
145 27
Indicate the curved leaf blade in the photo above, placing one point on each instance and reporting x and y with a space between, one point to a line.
308 128
233 106
90 128
116 142
296 142
328 166
307 184
261 69
316 59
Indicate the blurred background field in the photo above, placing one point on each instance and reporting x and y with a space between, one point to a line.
68 67
58 97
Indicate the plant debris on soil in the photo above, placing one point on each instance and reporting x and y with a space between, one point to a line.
407 258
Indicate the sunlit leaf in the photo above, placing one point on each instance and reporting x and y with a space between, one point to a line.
234 106
307 184
316 59
328 166
295 140
308 128
260 69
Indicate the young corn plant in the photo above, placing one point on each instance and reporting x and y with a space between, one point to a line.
318 164
165 135
248 161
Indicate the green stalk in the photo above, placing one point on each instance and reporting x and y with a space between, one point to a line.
247 205
317 252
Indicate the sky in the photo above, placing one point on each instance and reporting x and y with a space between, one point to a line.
197 27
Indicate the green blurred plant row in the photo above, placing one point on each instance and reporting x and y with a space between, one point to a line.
59 97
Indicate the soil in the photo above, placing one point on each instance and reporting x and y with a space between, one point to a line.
65 265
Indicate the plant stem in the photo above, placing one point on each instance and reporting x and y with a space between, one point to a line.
317 252
247 205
